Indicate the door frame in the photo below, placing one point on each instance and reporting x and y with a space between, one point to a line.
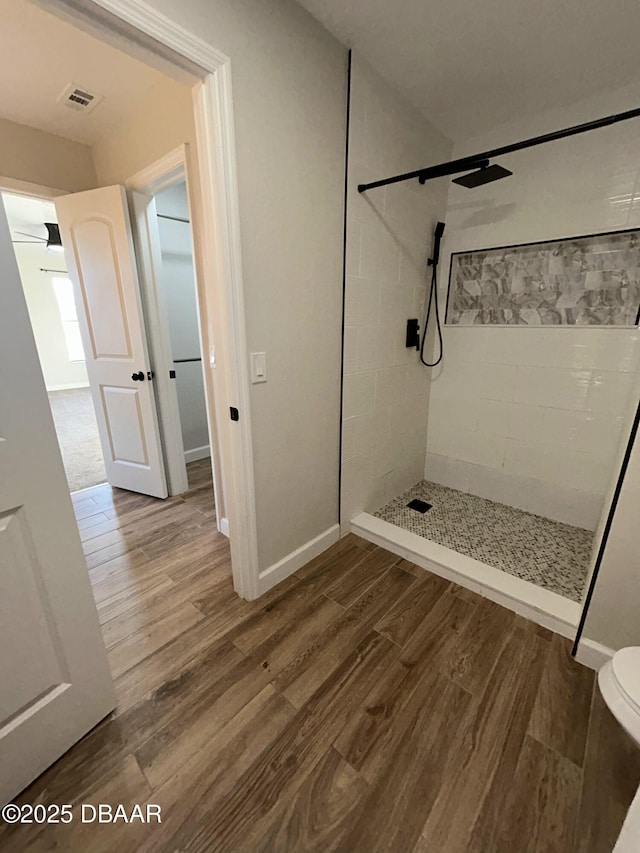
149 35
163 173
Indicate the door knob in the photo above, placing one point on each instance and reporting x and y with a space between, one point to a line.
138 377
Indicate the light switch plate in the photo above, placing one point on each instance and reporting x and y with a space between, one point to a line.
258 367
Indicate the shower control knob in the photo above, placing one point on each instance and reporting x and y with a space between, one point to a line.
138 377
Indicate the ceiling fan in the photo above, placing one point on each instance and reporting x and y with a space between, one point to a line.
53 240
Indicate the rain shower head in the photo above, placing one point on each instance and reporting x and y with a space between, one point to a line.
483 175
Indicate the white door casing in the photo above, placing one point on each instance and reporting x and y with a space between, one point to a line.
96 234
141 189
55 682
147 246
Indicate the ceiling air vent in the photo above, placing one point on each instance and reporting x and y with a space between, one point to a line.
79 98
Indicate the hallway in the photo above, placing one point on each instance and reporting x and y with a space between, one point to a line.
362 705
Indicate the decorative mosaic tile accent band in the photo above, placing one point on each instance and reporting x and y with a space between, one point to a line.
585 281
544 552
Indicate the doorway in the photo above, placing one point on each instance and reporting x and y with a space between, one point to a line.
52 311
177 293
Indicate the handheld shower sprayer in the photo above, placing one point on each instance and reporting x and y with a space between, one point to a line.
437 237
433 297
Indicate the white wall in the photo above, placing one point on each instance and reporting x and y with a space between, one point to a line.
58 371
386 389
532 417
178 293
289 77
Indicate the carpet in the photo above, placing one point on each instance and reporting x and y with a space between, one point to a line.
77 431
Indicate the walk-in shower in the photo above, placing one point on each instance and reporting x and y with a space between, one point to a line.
532 372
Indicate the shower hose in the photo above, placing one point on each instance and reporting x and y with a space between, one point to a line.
433 300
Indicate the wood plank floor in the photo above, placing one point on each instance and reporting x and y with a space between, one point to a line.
363 705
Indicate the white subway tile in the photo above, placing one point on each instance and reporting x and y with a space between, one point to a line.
438 437
379 254
496 484
356 474
477 448
466 344
508 345
358 393
391 386
378 494
362 302
350 349
436 467
352 504
404 477
348 436
386 457
527 423
396 304
375 348
402 353
461 413
410 414
492 382
372 428
557 465
353 249
609 392
566 505
492 416
448 472
418 381
546 386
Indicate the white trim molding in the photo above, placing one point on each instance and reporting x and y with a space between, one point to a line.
298 558
592 654
143 30
163 173
196 453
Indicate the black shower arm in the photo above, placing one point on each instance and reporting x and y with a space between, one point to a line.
478 161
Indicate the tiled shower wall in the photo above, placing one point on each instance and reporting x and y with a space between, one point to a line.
532 417
389 230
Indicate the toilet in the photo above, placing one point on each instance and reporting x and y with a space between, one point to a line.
619 683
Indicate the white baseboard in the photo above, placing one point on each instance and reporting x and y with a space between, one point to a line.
539 605
197 453
223 527
592 654
71 386
297 559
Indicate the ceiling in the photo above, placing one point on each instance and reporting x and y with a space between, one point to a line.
469 65
40 55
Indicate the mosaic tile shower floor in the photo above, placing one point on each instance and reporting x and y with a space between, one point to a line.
536 549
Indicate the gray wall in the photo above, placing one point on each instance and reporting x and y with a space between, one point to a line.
289 78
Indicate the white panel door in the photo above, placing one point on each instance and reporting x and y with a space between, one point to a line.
55 682
96 234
